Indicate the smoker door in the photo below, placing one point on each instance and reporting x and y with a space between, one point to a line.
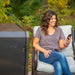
12 56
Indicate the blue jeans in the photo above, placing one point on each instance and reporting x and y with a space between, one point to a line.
58 60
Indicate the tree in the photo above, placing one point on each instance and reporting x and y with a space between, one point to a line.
25 7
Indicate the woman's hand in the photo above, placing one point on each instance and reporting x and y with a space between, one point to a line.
67 42
46 53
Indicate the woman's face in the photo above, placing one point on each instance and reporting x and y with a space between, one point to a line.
52 21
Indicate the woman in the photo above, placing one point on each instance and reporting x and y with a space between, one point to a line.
50 40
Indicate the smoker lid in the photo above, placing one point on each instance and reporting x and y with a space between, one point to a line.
11 30
10 27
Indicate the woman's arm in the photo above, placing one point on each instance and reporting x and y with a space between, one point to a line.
64 43
39 48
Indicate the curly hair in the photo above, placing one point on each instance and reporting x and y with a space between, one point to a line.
45 20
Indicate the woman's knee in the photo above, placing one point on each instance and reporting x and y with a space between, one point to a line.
57 65
61 56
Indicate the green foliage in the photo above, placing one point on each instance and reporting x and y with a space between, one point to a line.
59 4
29 12
30 56
6 15
62 12
3 10
33 20
25 7
62 8
19 22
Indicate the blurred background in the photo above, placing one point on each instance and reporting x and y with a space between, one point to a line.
28 13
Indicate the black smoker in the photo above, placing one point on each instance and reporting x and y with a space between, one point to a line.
14 43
